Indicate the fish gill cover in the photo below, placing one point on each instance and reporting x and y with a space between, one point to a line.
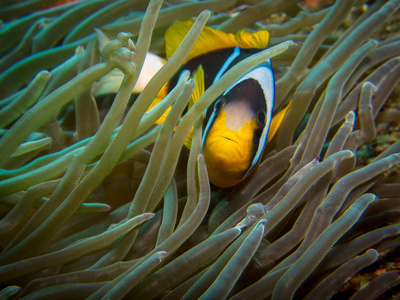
98 200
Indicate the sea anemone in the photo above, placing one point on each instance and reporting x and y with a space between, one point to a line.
98 201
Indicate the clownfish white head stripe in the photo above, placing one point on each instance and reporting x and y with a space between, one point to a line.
227 63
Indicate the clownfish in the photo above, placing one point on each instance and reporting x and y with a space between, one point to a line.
237 129
237 125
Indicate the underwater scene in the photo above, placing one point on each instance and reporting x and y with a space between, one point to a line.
200 149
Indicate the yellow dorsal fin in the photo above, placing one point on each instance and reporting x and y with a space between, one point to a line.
209 39
198 91
258 39
277 121
212 39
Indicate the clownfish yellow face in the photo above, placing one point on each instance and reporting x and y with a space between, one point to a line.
229 146
237 129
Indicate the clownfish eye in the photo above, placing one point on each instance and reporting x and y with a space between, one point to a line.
260 119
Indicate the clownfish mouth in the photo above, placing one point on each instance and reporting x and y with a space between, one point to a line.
229 139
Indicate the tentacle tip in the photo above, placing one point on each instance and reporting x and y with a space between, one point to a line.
149 215
294 44
205 13
200 157
44 74
184 75
125 39
239 230
160 256
163 254
79 49
240 227
374 41
131 45
350 116
262 222
349 153
369 84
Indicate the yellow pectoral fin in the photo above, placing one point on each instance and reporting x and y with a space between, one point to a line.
161 120
153 104
163 92
277 121
198 91
212 39
160 96
188 141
